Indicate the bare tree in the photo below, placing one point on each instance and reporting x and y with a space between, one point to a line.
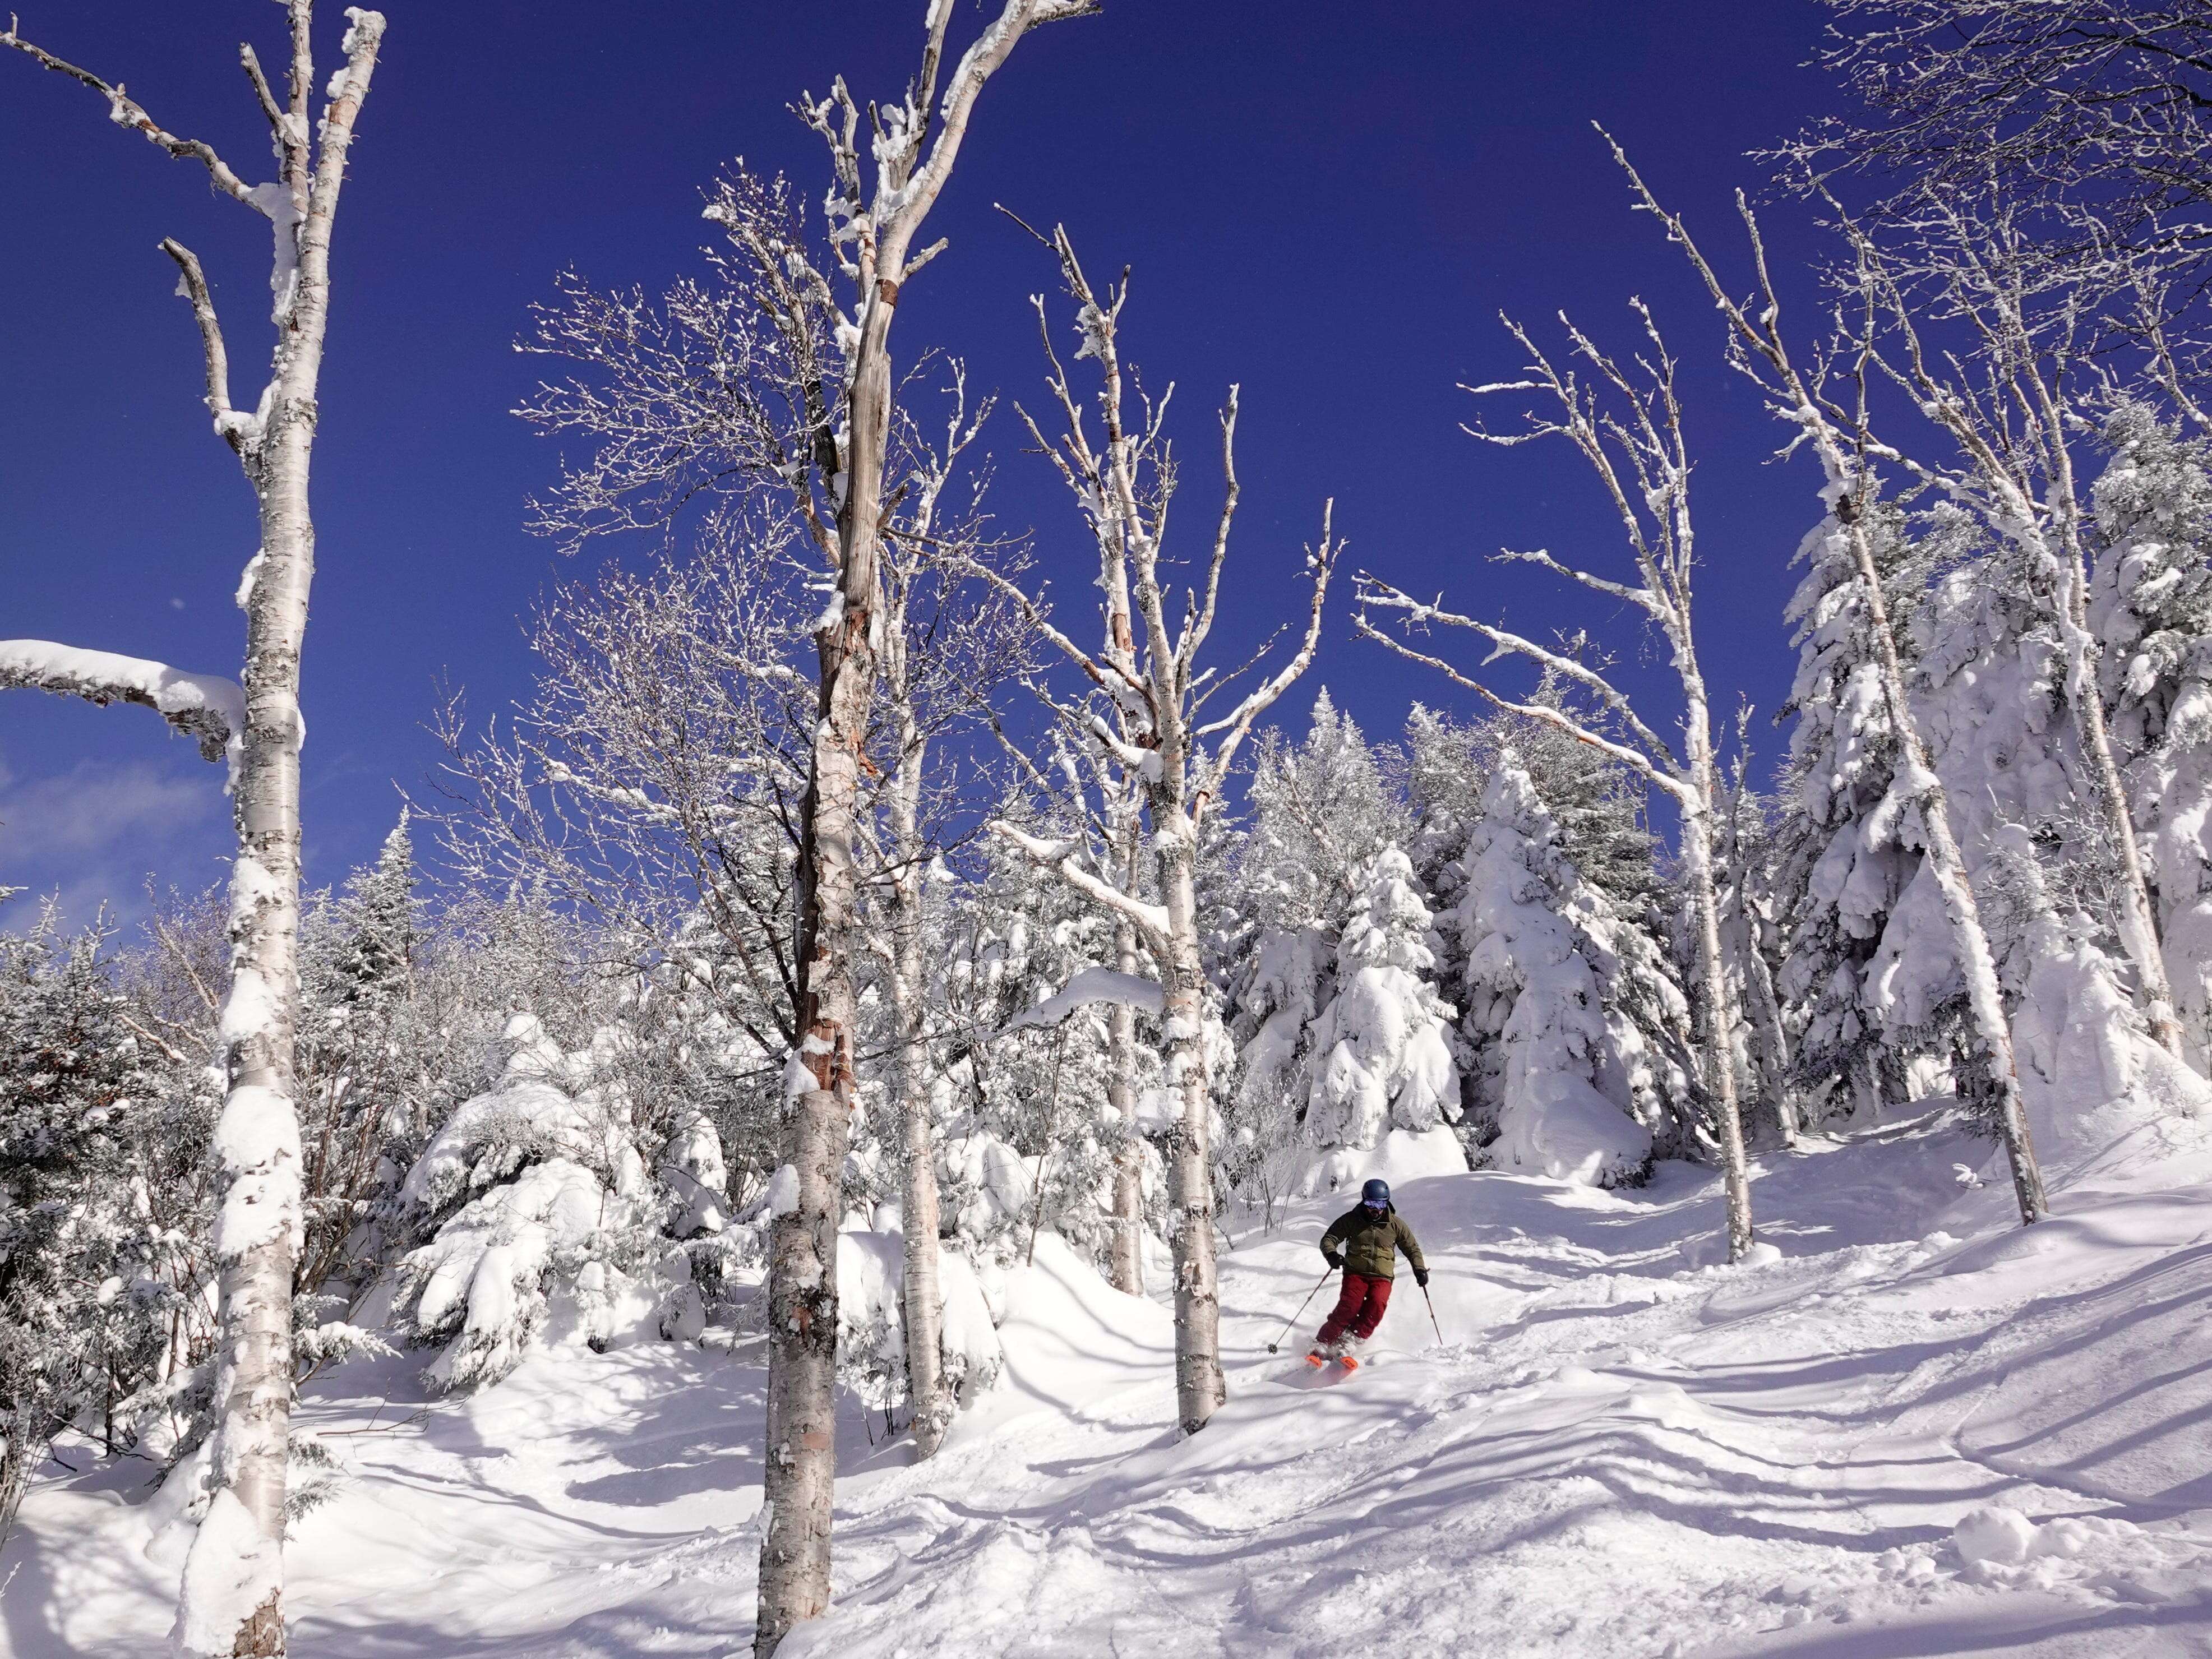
1143 715
1630 433
1840 434
2068 102
805 396
875 224
232 1600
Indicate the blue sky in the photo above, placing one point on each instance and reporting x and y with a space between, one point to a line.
1327 203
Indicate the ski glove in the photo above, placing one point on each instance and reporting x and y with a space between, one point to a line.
1334 1260
1421 1277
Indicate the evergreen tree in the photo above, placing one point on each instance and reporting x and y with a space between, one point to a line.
1382 1060
1844 854
86 1282
1570 1036
2150 605
1321 815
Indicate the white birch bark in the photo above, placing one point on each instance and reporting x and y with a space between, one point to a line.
1144 717
205 708
1126 1259
879 224
1636 446
1841 439
230 1602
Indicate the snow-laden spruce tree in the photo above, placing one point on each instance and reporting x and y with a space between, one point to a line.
1629 430
1751 943
1381 1061
1321 816
231 1600
87 1287
563 1203
1844 853
1563 1078
1143 718
358 1007
2150 607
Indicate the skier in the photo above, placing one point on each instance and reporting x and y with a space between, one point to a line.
1365 1241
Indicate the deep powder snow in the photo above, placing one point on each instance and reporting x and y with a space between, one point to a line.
1910 1428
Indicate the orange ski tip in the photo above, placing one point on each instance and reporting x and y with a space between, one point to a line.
1349 1363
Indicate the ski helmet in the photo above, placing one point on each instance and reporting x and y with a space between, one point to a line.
1377 1192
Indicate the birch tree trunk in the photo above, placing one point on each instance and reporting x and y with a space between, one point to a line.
1200 1388
909 170
231 1598
236 1566
1713 967
920 1292
1128 1258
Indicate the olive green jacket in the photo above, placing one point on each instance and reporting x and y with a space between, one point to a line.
1371 1246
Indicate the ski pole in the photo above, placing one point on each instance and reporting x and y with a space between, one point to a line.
1433 1326
1303 1306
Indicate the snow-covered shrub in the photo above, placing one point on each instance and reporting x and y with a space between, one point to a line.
535 1198
871 1322
2088 1070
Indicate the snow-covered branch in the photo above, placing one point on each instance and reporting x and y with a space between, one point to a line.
1090 987
1064 859
206 708
126 111
1235 726
1658 758
229 425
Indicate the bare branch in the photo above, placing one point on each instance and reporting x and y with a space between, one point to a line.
124 112
1374 590
235 429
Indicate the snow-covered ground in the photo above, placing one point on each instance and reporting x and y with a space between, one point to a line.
1916 1429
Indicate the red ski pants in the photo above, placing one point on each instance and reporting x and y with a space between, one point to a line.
1359 1308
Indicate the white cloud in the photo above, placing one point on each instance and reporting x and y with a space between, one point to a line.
95 833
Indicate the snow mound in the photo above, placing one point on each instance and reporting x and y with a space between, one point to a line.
871 1320
1563 1128
1403 1155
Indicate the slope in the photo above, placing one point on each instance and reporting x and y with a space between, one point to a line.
1906 1428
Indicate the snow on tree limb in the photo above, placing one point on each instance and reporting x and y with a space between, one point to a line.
1092 985
1060 857
206 708
126 111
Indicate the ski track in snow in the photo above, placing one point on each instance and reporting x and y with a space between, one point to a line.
1620 1449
